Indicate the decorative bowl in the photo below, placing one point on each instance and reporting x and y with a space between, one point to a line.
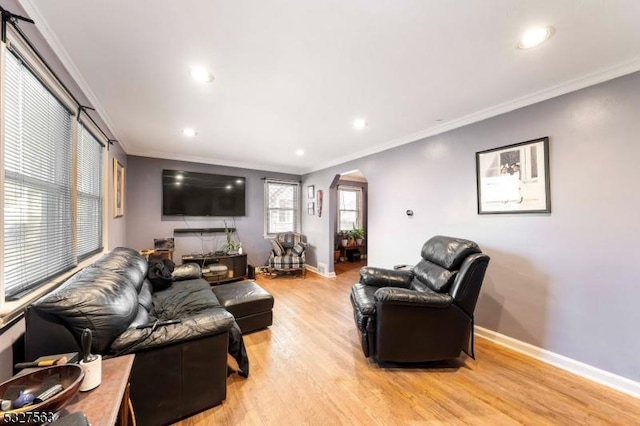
70 376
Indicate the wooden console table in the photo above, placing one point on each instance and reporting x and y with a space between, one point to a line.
109 401
236 264
344 250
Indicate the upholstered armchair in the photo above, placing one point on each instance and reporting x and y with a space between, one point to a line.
425 313
287 253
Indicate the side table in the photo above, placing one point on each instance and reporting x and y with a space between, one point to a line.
104 404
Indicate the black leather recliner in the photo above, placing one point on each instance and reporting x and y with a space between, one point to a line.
423 314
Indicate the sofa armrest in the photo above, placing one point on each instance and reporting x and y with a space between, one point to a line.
206 323
403 296
379 277
187 271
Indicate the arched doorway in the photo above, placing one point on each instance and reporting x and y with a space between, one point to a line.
350 192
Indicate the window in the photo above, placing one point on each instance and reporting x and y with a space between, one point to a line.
89 202
37 181
349 208
51 211
281 206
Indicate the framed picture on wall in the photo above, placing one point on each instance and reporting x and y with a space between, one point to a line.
311 209
514 178
118 188
311 192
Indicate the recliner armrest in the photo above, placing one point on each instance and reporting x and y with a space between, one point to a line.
379 277
403 296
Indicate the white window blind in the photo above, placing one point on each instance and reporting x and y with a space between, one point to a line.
349 211
281 207
89 198
38 238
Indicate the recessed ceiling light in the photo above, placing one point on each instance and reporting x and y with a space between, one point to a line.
189 132
300 152
179 177
239 181
535 36
359 123
202 75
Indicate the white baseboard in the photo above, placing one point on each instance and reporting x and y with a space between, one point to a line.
315 271
581 369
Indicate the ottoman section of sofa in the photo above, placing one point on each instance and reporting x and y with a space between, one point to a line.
250 304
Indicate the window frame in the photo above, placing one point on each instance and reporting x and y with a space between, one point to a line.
296 208
359 210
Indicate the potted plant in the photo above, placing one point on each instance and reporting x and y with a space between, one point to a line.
231 246
344 238
358 235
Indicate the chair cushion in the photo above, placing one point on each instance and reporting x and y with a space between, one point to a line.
289 239
288 261
278 250
298 249
434 276
448 252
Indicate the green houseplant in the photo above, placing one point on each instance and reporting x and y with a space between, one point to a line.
357 234
231 245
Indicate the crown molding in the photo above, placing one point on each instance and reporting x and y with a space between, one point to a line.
47 33
569 86
216 161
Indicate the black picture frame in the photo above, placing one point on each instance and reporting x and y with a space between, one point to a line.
514 178
311 192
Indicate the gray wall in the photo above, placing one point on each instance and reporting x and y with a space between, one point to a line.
565 281
144 210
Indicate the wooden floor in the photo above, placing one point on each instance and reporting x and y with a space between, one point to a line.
308 368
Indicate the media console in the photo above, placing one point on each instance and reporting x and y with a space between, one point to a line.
235 263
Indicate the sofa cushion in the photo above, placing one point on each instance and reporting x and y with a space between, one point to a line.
145 298
183 299
126 262
102 300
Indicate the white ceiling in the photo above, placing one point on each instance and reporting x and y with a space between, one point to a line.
294 74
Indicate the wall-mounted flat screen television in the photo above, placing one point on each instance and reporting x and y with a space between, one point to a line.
202 194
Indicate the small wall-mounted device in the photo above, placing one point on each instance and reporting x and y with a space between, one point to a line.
409 212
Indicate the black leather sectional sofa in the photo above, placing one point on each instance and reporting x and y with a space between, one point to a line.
179 369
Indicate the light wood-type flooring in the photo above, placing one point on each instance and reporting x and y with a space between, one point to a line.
308 369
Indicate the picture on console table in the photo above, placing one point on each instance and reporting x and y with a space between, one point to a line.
514 178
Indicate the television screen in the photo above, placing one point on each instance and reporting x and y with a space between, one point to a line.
202 194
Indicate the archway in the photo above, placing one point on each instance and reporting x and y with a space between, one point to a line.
349 195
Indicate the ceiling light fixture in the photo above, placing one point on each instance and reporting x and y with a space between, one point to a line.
189 132
201 75
360 124
300 152
535 36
